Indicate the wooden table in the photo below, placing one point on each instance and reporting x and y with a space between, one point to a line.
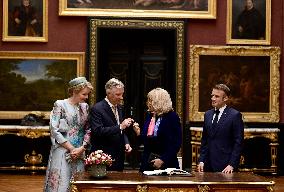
200 182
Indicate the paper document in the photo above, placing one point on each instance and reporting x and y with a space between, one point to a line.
168 171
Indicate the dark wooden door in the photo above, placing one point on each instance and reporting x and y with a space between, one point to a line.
142 59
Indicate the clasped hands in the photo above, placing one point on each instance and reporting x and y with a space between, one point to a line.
75 153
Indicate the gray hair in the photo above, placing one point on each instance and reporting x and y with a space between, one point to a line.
113 82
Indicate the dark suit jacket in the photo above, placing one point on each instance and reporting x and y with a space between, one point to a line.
223 146
106 133
167 142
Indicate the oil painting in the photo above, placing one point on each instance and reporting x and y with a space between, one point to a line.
25 20
32 81
252 74
140 8
249 22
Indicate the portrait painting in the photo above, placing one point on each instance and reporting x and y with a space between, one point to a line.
140 8
249 22
25 20
251 73
32 81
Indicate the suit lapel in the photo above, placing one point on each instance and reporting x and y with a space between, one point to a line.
109 111
119 110
221 120
210 121
223 117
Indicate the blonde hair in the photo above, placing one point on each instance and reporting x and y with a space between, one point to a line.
160 100
79 87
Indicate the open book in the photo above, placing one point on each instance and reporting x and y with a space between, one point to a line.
168 171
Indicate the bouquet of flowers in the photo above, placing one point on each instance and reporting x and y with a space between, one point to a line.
98 158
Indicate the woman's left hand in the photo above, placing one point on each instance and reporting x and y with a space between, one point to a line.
128 148
77 152
157 163
136 128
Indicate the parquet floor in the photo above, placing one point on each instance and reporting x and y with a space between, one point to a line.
21 183
34 183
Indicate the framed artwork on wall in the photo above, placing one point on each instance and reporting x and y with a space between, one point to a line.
202 9
252 74
248 22
33 81
25 20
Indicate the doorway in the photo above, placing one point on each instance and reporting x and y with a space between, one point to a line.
143 57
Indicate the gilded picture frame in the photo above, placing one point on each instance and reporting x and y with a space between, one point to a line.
248 22
22 26
251 72
202 9
35 80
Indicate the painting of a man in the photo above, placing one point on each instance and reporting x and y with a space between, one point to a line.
25 19
249 19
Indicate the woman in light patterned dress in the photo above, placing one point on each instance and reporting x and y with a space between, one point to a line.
70 136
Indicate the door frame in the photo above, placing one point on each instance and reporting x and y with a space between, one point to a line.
178 26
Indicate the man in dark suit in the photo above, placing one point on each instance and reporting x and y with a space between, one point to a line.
108 126
223 134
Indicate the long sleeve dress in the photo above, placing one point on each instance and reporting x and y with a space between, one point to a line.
67 123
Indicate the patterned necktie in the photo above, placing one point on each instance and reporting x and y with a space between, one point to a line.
151 126
114 110
215 120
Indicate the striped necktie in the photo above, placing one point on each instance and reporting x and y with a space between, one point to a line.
114 110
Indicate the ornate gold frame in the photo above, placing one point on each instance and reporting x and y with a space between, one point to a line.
7 37
131 13
178 26
79 57
265 41
274 54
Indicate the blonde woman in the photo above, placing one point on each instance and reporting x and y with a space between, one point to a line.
70 136
161 134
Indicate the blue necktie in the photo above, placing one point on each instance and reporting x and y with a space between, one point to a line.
215 120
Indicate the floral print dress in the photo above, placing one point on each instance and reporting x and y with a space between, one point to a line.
67 123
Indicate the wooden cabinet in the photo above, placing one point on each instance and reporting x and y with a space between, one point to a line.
24 147
199 182
259 152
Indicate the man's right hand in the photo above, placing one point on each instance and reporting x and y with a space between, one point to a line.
126 123
200 167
